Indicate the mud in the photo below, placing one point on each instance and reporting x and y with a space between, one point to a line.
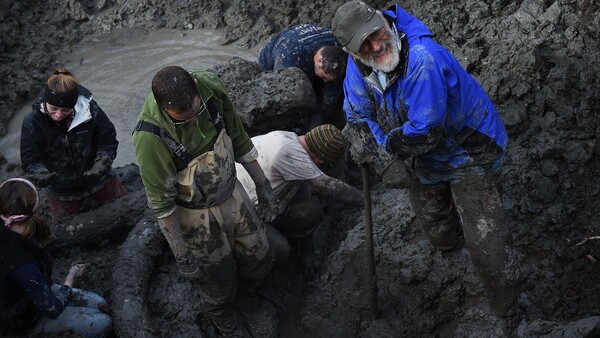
538 60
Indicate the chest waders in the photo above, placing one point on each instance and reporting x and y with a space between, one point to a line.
217 218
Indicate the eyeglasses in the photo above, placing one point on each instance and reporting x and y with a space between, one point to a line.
375 36
200 111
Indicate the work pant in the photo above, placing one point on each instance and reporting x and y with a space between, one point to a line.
111 191
230 239
472 198
82 315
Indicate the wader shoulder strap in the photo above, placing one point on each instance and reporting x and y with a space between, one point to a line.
177 148
215 115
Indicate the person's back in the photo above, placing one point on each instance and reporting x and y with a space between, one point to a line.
315 51
291 164
29 302
295 47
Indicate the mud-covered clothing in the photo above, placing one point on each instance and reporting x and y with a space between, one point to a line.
296 47
217 220
429 109
69 148
25 274
438 113
82 315
471 197
111 191
284 162
159 166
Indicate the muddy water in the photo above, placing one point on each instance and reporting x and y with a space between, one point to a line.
118 70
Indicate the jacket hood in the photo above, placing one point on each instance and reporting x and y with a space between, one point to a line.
411 26
83 112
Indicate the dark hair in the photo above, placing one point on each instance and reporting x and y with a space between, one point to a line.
18 198
334 61
174 88
62 81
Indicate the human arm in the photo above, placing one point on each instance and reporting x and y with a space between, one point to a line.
75 271
424 92
189 265
409 119
32 152
339 190
34 283
267 201
105 137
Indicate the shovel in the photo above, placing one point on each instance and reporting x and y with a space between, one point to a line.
372 276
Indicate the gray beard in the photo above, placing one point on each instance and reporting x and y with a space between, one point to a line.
390 62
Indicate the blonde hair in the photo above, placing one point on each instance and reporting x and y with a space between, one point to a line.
62 81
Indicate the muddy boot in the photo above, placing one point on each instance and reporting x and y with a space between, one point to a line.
229 323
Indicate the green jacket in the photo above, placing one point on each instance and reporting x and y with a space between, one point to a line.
157 163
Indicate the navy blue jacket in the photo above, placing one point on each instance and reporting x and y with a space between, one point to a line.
295 47
25 284
69 152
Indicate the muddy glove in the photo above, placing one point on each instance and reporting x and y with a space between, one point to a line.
42 178
396 175
100 167
190 267
268 206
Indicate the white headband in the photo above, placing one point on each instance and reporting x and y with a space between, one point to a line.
8 220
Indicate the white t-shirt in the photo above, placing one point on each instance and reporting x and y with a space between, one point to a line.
283 160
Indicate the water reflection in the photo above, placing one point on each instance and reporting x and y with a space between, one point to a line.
118 70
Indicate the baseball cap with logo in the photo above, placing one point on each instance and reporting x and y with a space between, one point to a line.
353 22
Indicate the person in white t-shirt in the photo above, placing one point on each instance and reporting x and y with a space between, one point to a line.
291 164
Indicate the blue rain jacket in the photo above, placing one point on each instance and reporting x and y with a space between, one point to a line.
438 112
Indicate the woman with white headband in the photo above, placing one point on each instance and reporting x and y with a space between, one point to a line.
29 302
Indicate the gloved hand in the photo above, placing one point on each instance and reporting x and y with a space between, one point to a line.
268 206
190 267
395 142
396 175
42 178
101 166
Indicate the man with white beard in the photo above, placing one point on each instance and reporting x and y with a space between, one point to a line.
415 100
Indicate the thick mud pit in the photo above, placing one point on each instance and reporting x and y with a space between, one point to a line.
538 60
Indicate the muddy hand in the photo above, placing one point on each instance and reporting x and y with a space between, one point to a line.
77 270
101 166
267 211
43 178
268 205
190 267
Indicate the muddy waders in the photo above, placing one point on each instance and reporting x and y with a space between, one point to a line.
221 227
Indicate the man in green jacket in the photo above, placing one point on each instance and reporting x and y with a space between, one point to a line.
187 141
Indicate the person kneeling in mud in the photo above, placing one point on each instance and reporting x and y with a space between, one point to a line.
187 141
68 145
291 163
29 302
